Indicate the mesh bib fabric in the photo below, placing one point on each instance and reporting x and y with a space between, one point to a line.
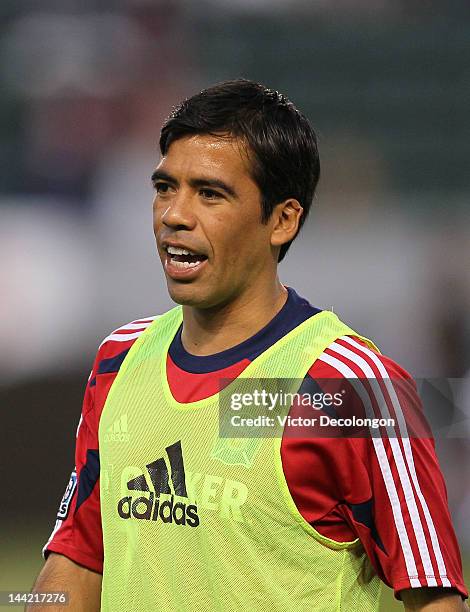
193 522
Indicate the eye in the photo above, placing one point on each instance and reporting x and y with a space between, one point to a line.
161 187
209 194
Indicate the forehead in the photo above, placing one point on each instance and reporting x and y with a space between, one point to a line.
209 155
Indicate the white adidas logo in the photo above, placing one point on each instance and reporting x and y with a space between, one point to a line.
117 431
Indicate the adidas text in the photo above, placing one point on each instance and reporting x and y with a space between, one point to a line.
151 508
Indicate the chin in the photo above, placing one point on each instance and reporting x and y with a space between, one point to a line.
188 295
185 295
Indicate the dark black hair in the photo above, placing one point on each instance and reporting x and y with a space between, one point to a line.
280 141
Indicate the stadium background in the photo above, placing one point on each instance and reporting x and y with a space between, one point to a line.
85 86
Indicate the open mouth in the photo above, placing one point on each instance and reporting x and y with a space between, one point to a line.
184 259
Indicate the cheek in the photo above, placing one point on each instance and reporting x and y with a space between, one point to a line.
243 252
229 237
154 205
157 213
154 211
236 237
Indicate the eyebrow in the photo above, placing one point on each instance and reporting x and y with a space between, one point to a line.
195 182
162 176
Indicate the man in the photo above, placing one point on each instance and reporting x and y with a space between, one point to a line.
163 511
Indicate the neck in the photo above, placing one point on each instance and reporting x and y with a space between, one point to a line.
212 330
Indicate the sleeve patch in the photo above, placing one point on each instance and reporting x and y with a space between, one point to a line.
68 495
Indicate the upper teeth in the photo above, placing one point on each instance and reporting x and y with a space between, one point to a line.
177 251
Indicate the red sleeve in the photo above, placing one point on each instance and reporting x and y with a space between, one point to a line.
77 532
387 490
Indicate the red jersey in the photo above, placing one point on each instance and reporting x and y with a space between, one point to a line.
388 492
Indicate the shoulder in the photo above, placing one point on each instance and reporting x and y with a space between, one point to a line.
109 357
115 346
127 333
352 357
372 385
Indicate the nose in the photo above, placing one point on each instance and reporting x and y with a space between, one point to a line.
178 213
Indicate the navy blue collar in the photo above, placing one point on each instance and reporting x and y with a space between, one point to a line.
295 311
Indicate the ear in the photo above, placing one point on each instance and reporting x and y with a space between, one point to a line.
286 219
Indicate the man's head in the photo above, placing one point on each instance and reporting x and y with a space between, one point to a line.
280 142
254 145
